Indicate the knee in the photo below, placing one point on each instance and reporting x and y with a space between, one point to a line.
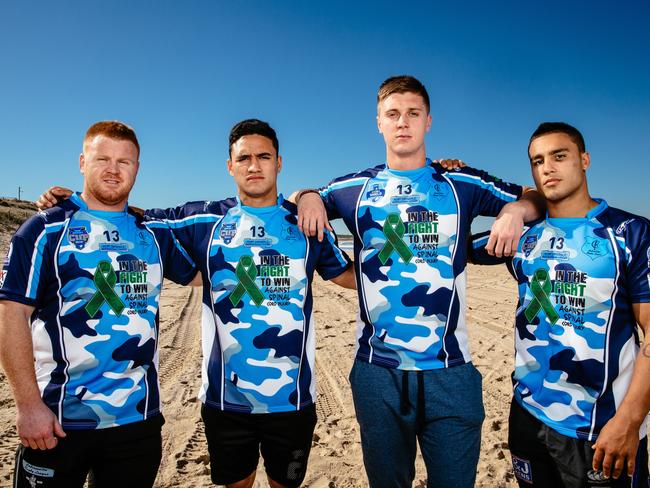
245 483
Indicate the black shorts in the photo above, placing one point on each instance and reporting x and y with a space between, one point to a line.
235 441
542 457
127 456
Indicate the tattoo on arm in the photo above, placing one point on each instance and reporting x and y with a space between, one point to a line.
646 350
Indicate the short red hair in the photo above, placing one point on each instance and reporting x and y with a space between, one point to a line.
114 130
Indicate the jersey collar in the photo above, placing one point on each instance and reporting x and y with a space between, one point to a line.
594 212
262 210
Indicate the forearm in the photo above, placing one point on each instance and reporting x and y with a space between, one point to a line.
16 352
531 205
636 403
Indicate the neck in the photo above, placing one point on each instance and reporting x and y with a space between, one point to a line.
405 162
95 204
267 200
574 206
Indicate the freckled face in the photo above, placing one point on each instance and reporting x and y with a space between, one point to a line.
110 167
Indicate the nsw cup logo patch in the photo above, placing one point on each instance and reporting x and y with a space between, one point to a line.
529 244
375 193
78 236
228 232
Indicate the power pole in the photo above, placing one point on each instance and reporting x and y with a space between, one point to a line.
19 192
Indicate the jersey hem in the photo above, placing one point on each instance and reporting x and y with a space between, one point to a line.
335 274
109 425
572 433
391 365
278 409
10 297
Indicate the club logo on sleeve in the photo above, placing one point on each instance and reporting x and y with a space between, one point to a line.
522 469
594 247
621 228
228 232
3 275
529 244
375 193
78 236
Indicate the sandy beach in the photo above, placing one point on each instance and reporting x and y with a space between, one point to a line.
336 460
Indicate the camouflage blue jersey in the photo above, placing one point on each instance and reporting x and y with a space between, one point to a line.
258 331
576 335
410 231
94 279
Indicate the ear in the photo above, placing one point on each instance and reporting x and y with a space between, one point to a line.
82 163
279 163
429 120
378 124
586 161
230 171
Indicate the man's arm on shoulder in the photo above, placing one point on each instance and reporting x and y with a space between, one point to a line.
312 215
36 425
619 439
53 195
508 225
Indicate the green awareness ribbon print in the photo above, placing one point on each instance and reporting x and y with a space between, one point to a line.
246 273
394 231
540 286
105 279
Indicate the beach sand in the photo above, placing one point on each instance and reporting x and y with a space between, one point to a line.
336 460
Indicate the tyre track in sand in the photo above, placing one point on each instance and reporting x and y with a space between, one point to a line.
490 291
185 453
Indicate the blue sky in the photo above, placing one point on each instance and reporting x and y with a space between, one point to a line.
182 73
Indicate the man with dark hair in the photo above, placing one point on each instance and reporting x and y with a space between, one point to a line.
581 387
556 128
79 300
258 386
258 333
413 378
250 127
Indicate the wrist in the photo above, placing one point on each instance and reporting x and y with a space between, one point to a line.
302 193
630 416
515 208
29 402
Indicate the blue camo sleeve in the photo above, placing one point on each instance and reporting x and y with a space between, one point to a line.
179 220
191 220
332 261
341 193
24 267
478 255
637 242
178 265
490 193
